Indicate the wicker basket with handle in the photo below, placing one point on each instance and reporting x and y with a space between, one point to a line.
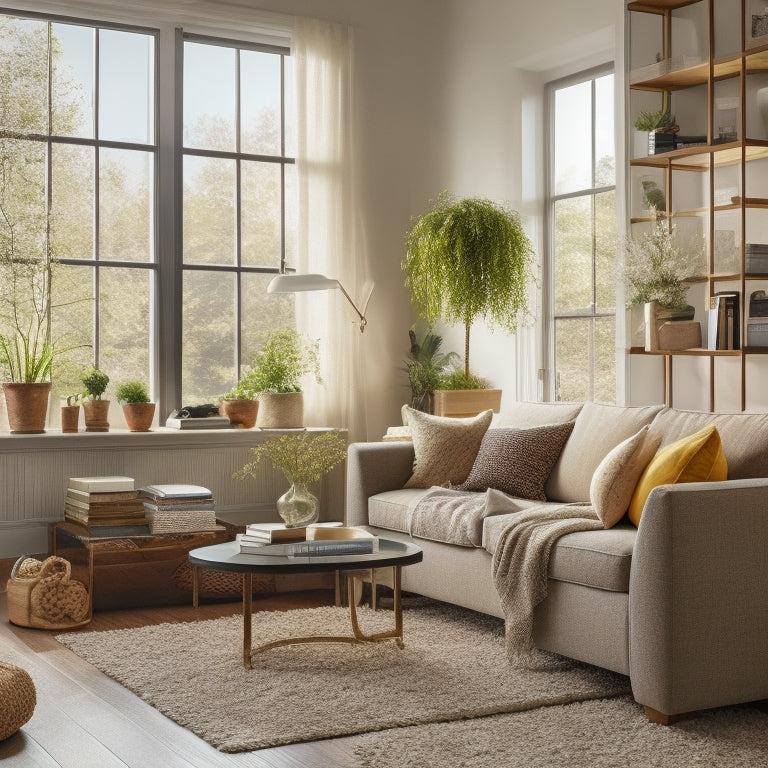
44 596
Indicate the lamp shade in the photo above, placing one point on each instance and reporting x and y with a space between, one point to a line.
297 283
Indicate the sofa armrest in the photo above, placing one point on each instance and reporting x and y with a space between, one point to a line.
373 468
698 596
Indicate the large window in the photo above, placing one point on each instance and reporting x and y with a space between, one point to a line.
162 275
582 227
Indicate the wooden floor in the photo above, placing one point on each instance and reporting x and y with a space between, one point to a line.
84 718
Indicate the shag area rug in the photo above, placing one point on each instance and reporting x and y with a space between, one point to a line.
586 734
453 667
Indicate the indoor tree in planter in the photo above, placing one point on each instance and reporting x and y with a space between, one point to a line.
469 259
133 396
95 409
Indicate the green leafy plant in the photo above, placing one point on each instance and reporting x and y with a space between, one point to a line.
460 379
425 367
133 391
95 382
656 267
304 457
655 120
279 365
469 259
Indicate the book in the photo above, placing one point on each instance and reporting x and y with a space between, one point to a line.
179 506
363 545
102 484
175 491
204 422
276 532
128 505
723 321
97 497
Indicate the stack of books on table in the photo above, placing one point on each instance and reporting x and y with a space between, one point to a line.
321 539
179 508
103 501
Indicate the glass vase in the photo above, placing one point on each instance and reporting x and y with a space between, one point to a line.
298 506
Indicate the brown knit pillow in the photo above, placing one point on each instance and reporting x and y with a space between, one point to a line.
518 461
444 448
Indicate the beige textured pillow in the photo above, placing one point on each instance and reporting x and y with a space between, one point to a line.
444 448
617 474
518 461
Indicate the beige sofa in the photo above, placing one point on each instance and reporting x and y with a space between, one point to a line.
679 604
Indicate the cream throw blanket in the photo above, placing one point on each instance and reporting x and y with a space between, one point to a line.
521 557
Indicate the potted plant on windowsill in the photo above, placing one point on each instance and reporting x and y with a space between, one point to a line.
241 404
276 373
95 409
466 260
138 411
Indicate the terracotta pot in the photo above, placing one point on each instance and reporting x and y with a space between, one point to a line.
95 413
138 416
242 412
281 411
27 406
70 415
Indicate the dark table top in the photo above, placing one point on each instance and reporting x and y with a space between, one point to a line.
227 557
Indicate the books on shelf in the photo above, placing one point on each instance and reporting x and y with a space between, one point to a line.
723 325
102 484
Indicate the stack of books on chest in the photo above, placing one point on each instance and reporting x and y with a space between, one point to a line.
103 501
179 508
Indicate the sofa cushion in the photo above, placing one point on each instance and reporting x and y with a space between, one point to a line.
599 559
693 459
615 478
517 461
523 414
389 509
444 448
744 437
597 431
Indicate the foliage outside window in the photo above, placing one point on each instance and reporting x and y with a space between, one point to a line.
582 216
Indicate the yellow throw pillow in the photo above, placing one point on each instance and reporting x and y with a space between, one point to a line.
693 459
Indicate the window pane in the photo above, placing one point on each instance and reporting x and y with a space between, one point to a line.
124 323
72 319
605 251
573 357
209 97
260 225
24 76
209 211
605 360
126 181
72 85
605 149
72 192
208 348
262 312
126 86
573 138
259 103
573 255
22 194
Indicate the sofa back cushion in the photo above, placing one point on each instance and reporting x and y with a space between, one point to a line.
597 431
523 414
744 437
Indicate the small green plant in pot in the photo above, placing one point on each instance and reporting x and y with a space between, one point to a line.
276 374
139 412
425 367
241 404
95 408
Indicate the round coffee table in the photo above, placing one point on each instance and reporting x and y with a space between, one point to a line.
391 554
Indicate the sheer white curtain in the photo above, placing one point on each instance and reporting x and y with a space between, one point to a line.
327 238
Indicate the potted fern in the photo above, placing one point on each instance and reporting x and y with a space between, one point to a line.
138 411
469 259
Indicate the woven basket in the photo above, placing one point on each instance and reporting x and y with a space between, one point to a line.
18 697
43 595
220 584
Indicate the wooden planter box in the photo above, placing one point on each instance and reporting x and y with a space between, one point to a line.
462 403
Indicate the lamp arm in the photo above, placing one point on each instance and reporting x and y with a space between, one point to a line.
363 321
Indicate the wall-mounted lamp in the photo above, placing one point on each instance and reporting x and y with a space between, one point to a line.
311 282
